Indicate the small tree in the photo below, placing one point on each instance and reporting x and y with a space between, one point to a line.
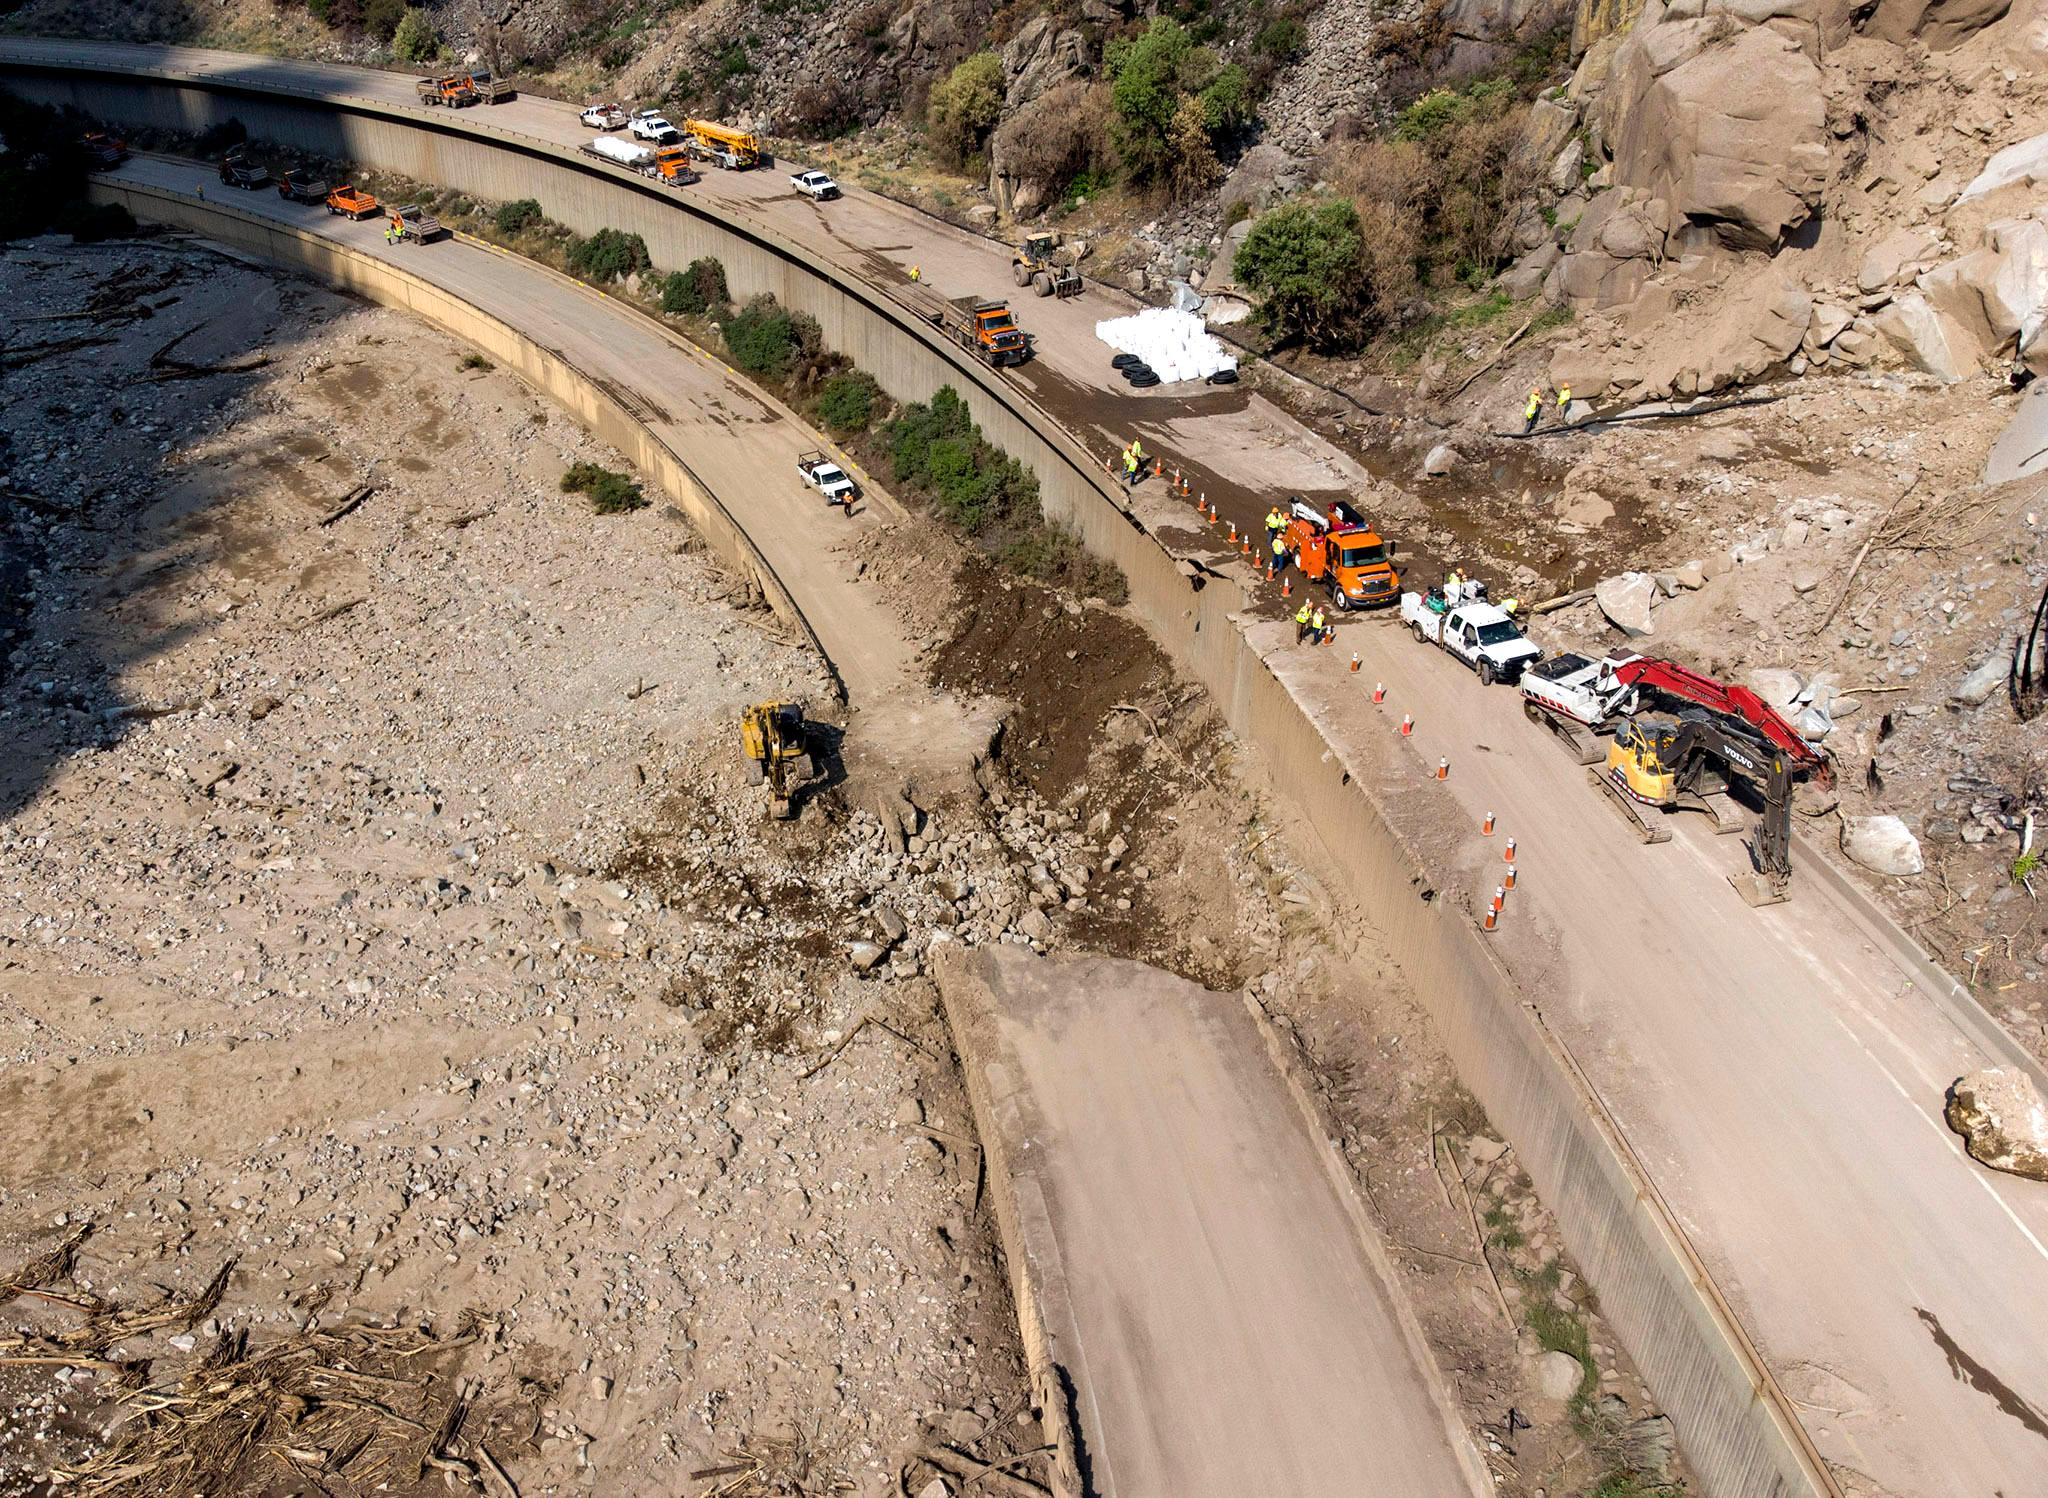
415 39
608 255
381 17
1307 264
696 290
512 217
964 106
846 402
761 338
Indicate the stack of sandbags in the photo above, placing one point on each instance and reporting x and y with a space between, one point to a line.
1174 344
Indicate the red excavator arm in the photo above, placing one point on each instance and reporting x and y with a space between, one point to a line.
1674 680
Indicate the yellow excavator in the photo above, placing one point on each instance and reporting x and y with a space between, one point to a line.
776 744
1666 762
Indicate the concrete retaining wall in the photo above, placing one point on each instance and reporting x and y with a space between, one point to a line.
554 376
1737 1428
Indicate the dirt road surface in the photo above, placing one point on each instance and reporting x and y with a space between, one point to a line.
1780 1077
1228 1334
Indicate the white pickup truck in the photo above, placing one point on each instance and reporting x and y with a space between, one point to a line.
817 186
1479 634
604 117
828 478
649 124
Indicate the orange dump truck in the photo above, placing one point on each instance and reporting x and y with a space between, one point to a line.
353 201
1338 549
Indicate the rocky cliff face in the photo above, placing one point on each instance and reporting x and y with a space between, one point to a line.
1794 184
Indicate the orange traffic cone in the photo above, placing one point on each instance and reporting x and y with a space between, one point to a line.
1486 827
1233 533
1509 881
1510 851
1490 921
1286 587
1379 692
1354 663
1443 769
1500 896
1407 726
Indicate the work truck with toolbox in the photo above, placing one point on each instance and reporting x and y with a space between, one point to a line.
1479 634
828 478
603 117
817 186
1340 551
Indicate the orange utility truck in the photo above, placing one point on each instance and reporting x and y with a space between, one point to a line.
1340 550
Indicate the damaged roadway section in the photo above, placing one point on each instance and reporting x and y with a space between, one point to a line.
1201 1279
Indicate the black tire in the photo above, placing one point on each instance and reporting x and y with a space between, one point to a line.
1223 377
1139 371
1341 599
1420 637
1042 284
1020 273
1488 675
1124 361
1145 381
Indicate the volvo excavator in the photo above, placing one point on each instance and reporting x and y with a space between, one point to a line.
1665 762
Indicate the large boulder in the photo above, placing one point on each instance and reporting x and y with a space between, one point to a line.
1941 24
2003 1120
2023 161
1626 601
1928 338
2021 450
1898 255
1262 177
1883 845
1730 129
1596 20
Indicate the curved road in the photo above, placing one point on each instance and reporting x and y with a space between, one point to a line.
1777 1072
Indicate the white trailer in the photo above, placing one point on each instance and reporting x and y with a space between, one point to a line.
625 153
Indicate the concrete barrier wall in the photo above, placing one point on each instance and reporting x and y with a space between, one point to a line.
554 376
1737 1428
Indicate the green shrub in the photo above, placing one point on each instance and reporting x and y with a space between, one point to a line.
1173 101
511 218
938 448
608 255
381 18
761 338
846 402
415 39
1306 263
696 290
964 106
609 493
1282 39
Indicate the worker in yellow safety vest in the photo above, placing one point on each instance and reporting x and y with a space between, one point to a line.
1275 521
1279 550
1509 605
1301 619
1454 588
1318 626
1564 400
916 274
1532 412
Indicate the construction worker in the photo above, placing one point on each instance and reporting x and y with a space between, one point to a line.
916 274
1302 616
1509 605
1279 551
1138 451
1130 468
1275 521
1454 588
1318 626
1533 412
1564 400
390 234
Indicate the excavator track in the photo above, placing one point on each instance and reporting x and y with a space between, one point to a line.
1648 831
1579 741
